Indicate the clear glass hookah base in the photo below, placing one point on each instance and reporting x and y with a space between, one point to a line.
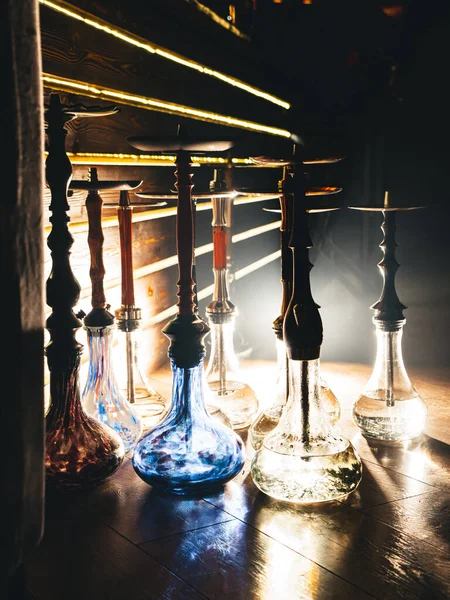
395 420
308 479
304 459
102 398
237 400
189 452
389 408
268 419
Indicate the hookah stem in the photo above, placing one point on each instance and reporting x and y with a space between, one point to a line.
389 308
194 266
228 177
390 224
389 371
222 368
124 214
130 367
304 383
286 206
302 325
220 274
185 235
62 289
95 241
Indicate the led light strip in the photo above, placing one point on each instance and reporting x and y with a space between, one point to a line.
121 34
146 160
88 89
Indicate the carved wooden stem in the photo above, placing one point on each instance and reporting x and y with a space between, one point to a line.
95 240
302 326
388 307
286 205
185 234
125 214
63 290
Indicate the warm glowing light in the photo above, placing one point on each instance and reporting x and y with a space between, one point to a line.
245 235
392 11
145 160
87 89
133 40
218 19
257 265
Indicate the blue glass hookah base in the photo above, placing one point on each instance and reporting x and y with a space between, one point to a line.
189 452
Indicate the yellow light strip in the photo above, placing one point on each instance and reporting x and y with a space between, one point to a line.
257 265
245 235
218 19
146 160
88 89
75 13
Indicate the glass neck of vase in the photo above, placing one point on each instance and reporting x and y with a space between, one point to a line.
100 342
188 396
65 397
389 372
304 418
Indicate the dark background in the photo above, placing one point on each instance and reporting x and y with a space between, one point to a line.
367 81
373 88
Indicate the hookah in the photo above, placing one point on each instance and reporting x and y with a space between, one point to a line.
389 408
102 397
234 397
269 417
80 451
149 404
189 451
304 459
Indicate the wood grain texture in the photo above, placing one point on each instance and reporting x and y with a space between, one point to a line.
139 513
426 517
387 540
233 560
81 557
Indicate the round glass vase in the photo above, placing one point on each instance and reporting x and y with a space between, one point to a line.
304 459
80 451
189 452
235 398
269 417
389 408
102 397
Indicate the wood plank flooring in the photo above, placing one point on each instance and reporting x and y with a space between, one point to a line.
390 539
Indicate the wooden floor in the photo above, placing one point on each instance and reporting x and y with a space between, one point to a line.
388 540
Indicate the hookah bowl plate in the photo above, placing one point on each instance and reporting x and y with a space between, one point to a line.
327 472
